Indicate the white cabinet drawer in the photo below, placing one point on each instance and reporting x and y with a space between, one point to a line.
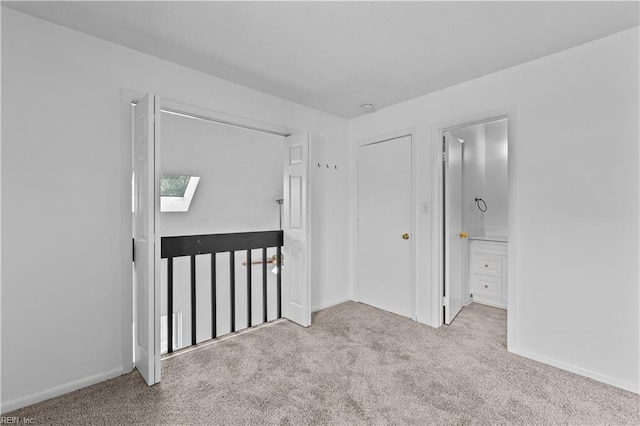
486 264
486 285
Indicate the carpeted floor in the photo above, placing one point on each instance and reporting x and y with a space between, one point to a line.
354 365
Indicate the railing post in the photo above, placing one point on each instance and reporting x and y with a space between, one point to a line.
170 305
193 300
232 278
214 313
248 288
279 279
264 284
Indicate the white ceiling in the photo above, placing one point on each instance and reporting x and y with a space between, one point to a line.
335 56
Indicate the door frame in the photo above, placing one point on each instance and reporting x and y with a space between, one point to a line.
127 98
437 278
411 132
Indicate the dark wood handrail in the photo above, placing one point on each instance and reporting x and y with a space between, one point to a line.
189 245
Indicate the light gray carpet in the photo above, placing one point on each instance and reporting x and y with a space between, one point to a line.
355 365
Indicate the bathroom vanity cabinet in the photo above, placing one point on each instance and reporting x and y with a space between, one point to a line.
488 271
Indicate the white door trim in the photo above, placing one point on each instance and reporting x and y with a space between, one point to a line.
438 221
354 200
126 162
127 97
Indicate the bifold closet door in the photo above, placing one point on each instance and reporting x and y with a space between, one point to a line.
296 273
146 237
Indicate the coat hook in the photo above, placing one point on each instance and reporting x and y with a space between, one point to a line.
335 167
327 166
319 165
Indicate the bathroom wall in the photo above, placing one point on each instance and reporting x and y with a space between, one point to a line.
472 177
484 176
495 178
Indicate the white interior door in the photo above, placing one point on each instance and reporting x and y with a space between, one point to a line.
453 256
384 226
146 145
296 274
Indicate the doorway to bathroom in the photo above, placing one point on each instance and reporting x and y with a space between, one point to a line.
475 213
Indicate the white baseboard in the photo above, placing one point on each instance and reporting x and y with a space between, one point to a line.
26 400
329 304
631 387
490 302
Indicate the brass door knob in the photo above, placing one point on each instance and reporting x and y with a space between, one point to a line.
463 235
405 236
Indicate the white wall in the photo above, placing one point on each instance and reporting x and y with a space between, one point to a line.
577 129
485 176
473 182
496 178
240 176
65 184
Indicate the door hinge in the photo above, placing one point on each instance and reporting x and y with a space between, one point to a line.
133 249
445 301
444 156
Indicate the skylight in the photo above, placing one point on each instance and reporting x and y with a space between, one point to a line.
173 185
176 192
